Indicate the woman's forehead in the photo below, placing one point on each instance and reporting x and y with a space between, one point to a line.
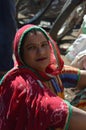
35 33
32 38
35 36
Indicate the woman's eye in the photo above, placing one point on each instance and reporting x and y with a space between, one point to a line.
31 48
45 44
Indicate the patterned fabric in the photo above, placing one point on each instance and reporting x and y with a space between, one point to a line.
68 78
80 100
26 103
25 107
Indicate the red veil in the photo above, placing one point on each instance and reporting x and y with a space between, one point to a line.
25 102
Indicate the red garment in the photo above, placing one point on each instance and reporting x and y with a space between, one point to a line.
25 102
55 56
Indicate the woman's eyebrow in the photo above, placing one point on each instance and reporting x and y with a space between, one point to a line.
34 43
29 44
44 41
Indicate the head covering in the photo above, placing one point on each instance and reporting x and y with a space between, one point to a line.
25 101
56 63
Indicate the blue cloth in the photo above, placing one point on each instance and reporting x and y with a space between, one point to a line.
7 33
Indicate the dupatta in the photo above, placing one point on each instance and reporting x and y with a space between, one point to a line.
26 103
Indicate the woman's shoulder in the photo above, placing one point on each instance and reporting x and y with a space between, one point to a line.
13 80
14 75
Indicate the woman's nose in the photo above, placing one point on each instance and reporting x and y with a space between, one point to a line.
40 50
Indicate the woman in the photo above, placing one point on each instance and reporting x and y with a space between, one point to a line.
26 101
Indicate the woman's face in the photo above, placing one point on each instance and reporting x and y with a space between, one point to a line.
36 51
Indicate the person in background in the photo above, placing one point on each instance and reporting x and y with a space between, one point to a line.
29 92
7 33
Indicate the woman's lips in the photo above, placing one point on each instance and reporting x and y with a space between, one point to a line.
41 59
